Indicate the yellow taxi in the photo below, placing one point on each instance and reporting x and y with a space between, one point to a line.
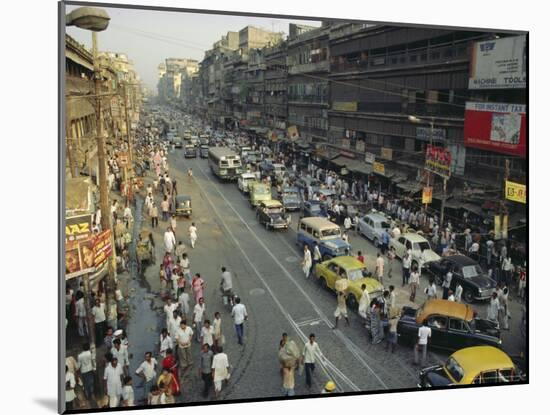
479 365
348 268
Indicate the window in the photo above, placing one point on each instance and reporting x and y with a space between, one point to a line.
490 376
423 57
333 267
438 322
458 325
435 55
413 58
309 230
303 226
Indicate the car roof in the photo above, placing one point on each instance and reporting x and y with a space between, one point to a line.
481 359
347 262
316 221
414 237
461 259
445 308
378 216
290 189
272 203
248 175
182 197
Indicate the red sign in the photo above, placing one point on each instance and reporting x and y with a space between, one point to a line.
102 247
438 160
496 127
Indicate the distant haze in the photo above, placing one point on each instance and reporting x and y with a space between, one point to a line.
149 37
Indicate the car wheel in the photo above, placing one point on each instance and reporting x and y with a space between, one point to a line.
375 242
468 296
352 302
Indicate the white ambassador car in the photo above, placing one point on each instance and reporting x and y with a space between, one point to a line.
372 226
243 181
422 252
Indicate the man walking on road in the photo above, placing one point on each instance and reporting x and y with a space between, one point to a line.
112 379
424 333
306 262
85 367
311 350
183 337
205 370
193 234
148 371
380 268
239 315
220 370
447 284
341 308
316 255
169 240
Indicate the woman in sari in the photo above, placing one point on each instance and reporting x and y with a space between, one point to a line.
198 287
376 323
169 375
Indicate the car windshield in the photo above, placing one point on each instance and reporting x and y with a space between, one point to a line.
421 246
275 210
315 208
261 190
454 369
384 225
470 271
330 232
356 274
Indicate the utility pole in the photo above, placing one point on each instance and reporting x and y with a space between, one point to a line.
103 188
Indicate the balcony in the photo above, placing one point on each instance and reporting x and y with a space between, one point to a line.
281 99
322 66
308 99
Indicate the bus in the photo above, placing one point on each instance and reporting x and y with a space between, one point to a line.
224 163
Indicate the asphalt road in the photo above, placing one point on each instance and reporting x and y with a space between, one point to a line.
268 277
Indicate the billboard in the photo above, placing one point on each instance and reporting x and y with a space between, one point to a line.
496 127
516 192
87 255
499 64
438 160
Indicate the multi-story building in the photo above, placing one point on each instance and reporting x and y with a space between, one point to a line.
308 85
275 95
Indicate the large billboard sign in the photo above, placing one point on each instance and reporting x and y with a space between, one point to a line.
438 160
499 64
496 127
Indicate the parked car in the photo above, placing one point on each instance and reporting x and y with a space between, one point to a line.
422 252
328 236
313 208
372 226
244 180
290 198
204 151
476 284
271 214
478 365
453 325
258 192
190 151
350 268
183 205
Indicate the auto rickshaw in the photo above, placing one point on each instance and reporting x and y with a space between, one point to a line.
145 248
183 205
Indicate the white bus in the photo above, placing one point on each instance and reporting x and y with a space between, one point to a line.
224 163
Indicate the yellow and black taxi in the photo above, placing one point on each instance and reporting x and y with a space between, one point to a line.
271 214
354 271
479 365
454 326
183 205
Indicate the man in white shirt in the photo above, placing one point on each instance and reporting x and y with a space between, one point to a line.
406 267
226 282
347 223
70 384
193 234
169 240
165 342
112 379
148 371
380 268
239 315
220 369
198 316
183 338
82 320
447 283
309 354
424 333
98 311
120 351
85 366
169 309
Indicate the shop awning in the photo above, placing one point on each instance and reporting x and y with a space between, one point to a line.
410 186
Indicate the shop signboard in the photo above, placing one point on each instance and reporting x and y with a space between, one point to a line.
293 132
87 255
102 248
78 228
438 161
344 106
369 158
386 153
499 64
496 127
123 159
427 193
378 168
429 134
516 192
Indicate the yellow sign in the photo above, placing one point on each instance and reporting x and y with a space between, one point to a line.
378 168
516 192
344 106
504 229
386 153
427 192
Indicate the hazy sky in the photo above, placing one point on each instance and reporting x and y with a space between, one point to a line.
149 37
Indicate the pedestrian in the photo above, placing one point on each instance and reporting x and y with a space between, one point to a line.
447 283
183 338
522 283
120 351
492 308
364 302
220 370
112 379
183 301
207 334
391 339
173 223
154 216
219 339
127 215
431 289
169 241
309 355
166 342
239 315
451 296
168 384
189 175
391 259
153 398
341 308
148 371
85 367
345 237
193 234
198 317
108 339
414 282
288 381
458 292
180 250
81 315
406 268
100 320
424 334
198 286
128 392
507 269
70 384
347 223
165 208
360 257
317 258
205 369
391 297
385 240
169 309
306 262
380 268
376 328
185 267
503 310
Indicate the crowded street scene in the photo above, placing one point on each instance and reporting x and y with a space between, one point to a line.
316 208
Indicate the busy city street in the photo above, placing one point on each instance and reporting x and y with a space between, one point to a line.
219 248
